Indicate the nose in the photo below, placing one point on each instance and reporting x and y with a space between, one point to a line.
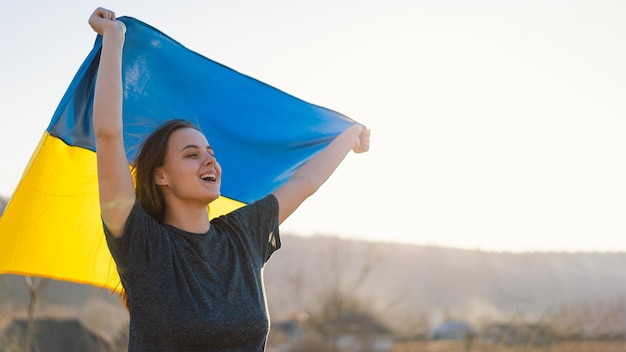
209 159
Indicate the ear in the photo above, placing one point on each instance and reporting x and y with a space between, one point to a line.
159 177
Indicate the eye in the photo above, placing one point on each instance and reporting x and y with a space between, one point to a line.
192 155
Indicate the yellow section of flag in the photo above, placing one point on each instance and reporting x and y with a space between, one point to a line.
52 226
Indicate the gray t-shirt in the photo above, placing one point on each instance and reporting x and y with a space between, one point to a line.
197 292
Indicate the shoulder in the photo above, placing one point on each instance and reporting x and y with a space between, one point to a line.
141 232
263 208
139 221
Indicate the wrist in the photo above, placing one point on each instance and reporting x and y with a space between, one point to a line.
351 136
355 130
115 33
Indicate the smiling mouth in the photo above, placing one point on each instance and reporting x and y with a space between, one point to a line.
210 177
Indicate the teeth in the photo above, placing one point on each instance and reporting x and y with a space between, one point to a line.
211 177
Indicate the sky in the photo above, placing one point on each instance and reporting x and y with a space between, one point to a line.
495 125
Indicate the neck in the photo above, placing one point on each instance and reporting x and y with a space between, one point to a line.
191 218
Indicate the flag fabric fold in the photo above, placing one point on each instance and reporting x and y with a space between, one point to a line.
52 226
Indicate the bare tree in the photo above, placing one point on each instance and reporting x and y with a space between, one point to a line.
35 287
335 307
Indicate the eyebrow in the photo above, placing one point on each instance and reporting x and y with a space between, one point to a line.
208 147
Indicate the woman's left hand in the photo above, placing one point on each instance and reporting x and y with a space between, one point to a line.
363 143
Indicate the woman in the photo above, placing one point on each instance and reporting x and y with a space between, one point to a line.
191 284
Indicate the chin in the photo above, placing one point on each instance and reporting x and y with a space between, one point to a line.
214 197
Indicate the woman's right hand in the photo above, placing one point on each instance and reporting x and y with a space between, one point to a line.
102 20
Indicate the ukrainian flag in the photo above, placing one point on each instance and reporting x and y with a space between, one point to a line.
52 226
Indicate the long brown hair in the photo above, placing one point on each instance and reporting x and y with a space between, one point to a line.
152 155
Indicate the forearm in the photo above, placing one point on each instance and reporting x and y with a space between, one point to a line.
316 171
107 110
319 168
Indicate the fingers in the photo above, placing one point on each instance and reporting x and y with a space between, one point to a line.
104 13
365 139
363 142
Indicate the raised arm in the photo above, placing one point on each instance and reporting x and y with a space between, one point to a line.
316 171
116 190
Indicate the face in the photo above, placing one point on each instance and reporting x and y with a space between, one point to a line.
190 171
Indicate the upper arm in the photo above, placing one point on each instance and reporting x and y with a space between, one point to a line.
116 190
291 194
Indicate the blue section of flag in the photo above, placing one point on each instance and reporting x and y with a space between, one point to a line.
261 134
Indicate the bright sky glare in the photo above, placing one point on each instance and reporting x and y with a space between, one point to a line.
497 125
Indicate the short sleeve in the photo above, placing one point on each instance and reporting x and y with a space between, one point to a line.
257 223
131 247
